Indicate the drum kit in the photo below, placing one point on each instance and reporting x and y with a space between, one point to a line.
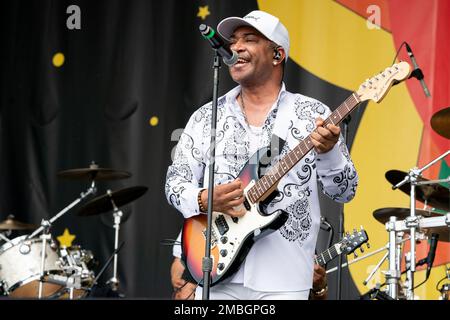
412 224
34 266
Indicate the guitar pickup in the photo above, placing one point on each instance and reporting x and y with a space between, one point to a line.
246 204
222 225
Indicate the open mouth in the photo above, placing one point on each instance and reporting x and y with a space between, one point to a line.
242 61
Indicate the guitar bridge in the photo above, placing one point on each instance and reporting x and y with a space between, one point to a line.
222 225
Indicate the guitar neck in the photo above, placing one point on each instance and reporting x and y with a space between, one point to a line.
328 255
264 186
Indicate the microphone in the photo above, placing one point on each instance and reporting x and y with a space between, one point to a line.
230 57
432 252
417 73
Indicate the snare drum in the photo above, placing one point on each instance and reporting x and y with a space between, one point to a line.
20 268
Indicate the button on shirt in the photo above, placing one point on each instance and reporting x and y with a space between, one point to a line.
283 260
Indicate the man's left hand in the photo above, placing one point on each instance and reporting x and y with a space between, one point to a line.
324 138
320 278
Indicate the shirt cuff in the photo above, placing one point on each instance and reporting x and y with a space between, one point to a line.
190 199
331 160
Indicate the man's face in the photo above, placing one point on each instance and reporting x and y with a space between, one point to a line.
255 57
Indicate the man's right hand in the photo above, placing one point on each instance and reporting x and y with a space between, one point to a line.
228 198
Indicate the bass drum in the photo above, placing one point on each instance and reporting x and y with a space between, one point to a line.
20 267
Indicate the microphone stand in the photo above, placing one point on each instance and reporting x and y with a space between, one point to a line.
345 122
207 262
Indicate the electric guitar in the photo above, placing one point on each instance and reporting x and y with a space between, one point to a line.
231 237
348 244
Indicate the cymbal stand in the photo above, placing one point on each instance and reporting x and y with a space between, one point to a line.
5 238
45 227
412 222
394 272
114 281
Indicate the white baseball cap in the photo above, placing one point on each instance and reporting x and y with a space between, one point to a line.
269 25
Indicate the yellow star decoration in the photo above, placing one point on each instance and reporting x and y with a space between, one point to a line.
66 239
203 12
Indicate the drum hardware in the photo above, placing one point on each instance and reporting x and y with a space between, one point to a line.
4 238
45 229
430 195
425 226
72 282
429 192
112 201
108 262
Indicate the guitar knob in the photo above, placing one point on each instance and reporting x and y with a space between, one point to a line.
223 252
220 266
224 240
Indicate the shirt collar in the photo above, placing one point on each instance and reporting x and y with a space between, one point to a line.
231 96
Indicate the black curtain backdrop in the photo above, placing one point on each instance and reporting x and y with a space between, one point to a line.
129 62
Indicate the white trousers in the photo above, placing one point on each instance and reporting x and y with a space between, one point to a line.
237 291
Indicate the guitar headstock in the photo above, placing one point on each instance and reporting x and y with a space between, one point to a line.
352 241
377 87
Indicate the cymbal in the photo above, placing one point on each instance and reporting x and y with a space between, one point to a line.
11 224
435 195
93 173
103 203
440 122
382 215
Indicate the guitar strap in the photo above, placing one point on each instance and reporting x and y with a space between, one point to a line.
281 127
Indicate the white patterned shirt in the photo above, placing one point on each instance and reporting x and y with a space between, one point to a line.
283 260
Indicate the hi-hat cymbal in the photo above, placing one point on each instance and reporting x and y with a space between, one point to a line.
382 215
11 224
440 122
103 203
435 195
94 173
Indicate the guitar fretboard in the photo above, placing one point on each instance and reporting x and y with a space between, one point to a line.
328 255
263 185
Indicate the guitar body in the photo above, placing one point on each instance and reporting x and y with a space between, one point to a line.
231 238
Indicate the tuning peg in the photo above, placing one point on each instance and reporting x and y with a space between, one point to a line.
355 254
368 245
362 249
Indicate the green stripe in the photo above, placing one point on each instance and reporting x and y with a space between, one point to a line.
211 34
